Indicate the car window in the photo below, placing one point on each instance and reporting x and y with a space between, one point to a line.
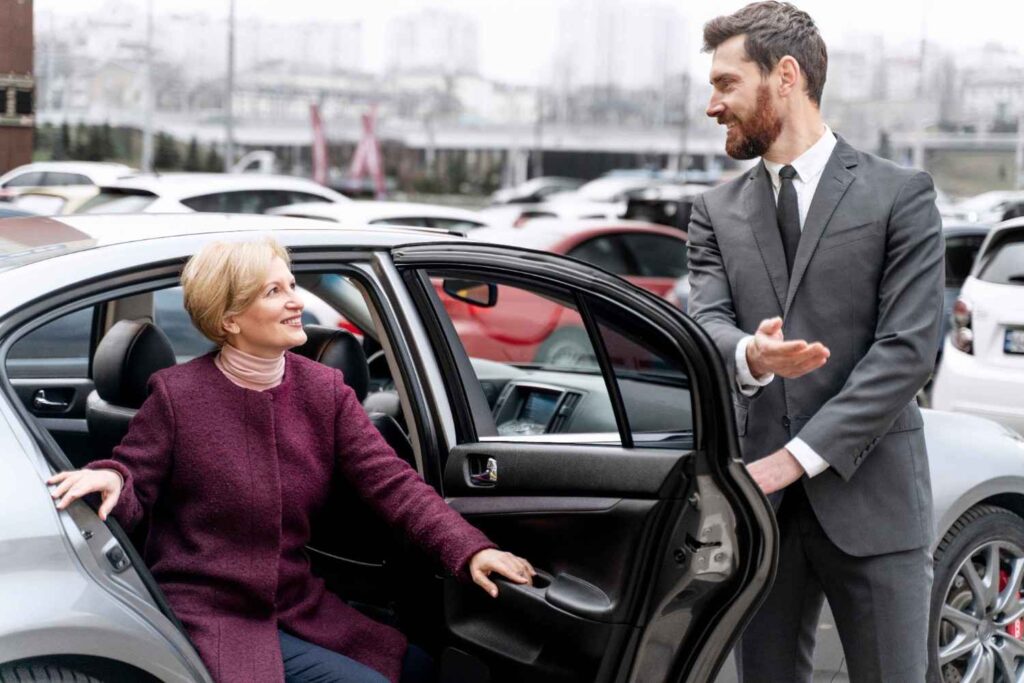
296 197
604 252
539 367
1004 264
30 179
657 255
960 254
52 178
243 201
117 202
170 316
455 224
406 220
532 359
59 348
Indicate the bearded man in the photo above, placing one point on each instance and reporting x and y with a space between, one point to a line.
819 275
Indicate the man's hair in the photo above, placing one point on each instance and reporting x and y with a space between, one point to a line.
774 30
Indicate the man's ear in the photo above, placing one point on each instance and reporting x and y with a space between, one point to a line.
789 75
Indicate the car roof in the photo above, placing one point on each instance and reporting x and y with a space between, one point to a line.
545 233
29 240
106 170
183 185
375 210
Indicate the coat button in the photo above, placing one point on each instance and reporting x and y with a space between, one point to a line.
785 421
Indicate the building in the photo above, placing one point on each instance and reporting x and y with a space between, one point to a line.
17 85
433 40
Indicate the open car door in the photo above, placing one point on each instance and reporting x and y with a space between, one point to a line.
605 453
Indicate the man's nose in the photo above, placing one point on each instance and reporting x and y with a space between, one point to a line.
715 107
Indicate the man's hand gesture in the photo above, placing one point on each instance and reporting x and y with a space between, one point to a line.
769 353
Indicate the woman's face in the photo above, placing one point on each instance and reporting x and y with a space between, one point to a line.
273 322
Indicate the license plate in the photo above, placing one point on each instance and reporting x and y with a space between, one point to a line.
1014 342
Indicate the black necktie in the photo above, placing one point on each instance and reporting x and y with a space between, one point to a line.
788 213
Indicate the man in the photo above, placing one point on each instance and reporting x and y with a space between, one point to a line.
819 275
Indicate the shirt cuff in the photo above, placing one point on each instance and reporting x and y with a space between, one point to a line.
812 463
748 384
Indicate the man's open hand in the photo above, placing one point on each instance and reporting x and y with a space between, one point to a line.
776 472
769 352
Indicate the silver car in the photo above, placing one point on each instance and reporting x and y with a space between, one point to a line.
617 475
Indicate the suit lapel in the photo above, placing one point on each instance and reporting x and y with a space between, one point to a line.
835 180
760 207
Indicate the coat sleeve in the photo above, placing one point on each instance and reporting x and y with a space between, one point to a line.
710 302
143 458
396 491
902 355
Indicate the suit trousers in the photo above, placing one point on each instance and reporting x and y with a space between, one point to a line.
880 604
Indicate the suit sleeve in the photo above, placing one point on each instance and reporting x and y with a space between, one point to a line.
396 491
710 302
143 458
902 355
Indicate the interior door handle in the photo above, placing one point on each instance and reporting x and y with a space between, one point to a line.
564 591
41 402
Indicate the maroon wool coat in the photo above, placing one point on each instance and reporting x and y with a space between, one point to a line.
228 479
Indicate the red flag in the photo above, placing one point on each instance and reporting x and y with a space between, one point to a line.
319 146
367 158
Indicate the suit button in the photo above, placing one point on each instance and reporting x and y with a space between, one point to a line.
785 421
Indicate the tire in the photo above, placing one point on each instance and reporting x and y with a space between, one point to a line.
568 347
969 624
40 671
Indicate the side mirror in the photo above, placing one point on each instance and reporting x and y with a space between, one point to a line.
472 292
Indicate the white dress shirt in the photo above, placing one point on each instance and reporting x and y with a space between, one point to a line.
809 167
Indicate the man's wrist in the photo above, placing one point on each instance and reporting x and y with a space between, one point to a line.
753 359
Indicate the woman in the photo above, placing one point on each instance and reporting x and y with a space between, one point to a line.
230 457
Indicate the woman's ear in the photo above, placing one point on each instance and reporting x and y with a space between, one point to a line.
230 326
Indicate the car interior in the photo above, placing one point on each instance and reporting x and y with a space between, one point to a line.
589 519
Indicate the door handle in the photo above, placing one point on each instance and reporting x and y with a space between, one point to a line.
41 402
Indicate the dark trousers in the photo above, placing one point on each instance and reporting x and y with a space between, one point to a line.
305 662
880 604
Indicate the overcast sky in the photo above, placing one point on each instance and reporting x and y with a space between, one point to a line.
518 37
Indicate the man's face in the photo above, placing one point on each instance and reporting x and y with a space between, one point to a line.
742 101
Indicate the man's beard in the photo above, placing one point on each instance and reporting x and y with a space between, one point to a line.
752 138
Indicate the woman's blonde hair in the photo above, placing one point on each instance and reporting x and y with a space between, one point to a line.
223 279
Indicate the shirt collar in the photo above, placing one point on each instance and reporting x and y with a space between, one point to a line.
808 165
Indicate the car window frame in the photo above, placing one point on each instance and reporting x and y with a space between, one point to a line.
635 256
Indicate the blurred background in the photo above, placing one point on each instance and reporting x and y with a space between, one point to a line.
466 97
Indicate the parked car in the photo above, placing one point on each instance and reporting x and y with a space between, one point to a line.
518 215
59 174
362 213
669 205
54 201
206 193
987 207
653 546
535 190
982 369
963 240
532 328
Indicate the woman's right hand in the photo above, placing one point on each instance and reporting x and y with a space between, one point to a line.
74 484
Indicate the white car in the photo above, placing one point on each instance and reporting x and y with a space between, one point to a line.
982 369
60 173
987 207
362 213
206 193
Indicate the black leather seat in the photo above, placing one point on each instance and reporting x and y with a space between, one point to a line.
340 349
129 353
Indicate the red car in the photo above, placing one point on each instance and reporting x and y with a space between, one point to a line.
525 328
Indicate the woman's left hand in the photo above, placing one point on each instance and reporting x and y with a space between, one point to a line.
508 565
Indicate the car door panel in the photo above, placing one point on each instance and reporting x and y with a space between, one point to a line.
648 558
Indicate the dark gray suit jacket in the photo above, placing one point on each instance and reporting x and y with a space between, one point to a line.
867 282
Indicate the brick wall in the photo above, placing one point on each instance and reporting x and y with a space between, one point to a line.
16 40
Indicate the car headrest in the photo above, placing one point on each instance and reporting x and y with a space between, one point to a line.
338 349
129 353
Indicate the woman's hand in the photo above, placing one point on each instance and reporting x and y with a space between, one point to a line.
74 484
508 565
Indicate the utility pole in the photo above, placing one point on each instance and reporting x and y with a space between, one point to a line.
147 104
229 116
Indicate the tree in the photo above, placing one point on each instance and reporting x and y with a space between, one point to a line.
214 161
105 142
80 144
62 143
192 160
167 157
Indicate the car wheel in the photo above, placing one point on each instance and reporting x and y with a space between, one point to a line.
568 347
40 670
977 615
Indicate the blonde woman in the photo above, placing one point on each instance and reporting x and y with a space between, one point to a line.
228 459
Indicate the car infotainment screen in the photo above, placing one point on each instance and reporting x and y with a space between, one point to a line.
539 407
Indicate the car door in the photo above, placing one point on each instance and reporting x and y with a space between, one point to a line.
615 473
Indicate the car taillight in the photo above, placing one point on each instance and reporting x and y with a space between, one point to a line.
961 334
